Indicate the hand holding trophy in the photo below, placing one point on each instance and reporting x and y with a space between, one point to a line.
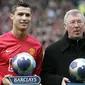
77 71
23 64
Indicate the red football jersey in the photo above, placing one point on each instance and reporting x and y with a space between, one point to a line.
11 46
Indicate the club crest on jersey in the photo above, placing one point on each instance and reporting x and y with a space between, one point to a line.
32 51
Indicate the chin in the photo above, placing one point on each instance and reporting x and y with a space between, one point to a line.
23 29
77 37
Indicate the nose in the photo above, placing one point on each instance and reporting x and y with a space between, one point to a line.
76 24
24 17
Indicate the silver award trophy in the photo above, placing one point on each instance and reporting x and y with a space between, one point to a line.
77 71
23 64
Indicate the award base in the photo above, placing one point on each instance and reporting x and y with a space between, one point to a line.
25 80
75 84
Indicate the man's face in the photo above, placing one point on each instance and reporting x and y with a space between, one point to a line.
21 18
75 26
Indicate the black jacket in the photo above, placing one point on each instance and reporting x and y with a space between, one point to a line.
58 57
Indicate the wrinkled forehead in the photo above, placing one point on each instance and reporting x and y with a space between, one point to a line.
23 9
77 16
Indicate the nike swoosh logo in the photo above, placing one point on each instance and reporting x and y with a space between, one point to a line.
7 51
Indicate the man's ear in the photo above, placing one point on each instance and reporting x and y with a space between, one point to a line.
11 16
65 26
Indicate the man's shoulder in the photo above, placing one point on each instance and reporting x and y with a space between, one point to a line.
56 45
34 40
4 36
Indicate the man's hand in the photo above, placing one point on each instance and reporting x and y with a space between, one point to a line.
36 75
6 81
64 80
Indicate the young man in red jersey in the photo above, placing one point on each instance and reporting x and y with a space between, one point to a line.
18 40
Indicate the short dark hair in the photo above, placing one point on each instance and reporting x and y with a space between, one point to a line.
22 3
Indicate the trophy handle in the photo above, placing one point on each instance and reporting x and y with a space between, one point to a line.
75 83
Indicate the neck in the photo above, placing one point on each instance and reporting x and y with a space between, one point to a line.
77 38
20 34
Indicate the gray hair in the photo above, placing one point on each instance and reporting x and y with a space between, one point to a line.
73 12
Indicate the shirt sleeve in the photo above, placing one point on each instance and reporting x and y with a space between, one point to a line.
0 74
48 74
39 61
1 80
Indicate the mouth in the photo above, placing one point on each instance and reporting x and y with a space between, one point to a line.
77 32
24 23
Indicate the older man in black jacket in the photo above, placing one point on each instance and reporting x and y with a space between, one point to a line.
59 55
